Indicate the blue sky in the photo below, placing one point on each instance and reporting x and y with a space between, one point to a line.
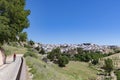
74 21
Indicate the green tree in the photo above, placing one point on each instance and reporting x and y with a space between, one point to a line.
31 54
56 50
31 42
51 56
42 51
37 48
13 19
62 61
22 36
108 65
95 61
54 54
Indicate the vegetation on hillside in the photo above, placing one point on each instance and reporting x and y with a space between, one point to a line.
82 55
50 71
31 42
9 50
62 61
118 74
108 65
22 37
56 56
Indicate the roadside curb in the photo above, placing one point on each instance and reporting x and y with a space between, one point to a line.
20 69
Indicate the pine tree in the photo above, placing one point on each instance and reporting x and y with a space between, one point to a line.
13 19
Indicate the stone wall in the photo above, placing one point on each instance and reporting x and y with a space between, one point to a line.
2 57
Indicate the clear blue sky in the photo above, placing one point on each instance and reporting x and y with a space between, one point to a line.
74 21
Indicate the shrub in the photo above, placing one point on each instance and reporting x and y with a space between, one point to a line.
54 54
42 51
27 46
62 61
118 75
108 65
95 61
31 54
13 44
37 48
117 51
89 56
31 42
51 56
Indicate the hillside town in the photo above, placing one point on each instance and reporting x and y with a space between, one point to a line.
73 47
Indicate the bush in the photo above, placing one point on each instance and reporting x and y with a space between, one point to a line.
57 57
62 61
31 54
118 74
37 48
54 54
89 56
42 51
95 61
13 44
51 56
117 51
27 46
31 42
108 65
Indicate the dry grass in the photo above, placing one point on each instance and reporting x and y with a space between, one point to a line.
73 71
9 50
115 58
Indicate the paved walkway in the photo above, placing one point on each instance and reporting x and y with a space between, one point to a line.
10 69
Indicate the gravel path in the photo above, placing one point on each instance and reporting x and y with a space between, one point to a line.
10 69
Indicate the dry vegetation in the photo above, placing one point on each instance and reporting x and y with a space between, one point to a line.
115 58
9 50
73 71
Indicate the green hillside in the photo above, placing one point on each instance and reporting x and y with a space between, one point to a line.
9 50
50 71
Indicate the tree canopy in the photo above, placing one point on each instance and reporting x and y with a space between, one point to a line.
58 57
13 19
22 36
62 61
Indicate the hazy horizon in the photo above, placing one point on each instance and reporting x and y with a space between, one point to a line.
79 43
